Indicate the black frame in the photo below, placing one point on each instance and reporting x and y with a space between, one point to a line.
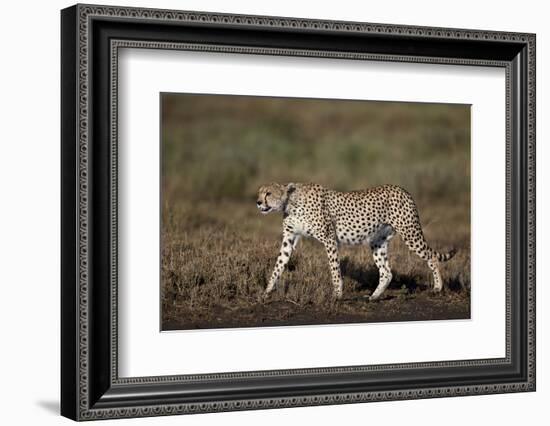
90 386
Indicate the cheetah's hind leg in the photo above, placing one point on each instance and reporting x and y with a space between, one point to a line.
379 249
433 264
414 239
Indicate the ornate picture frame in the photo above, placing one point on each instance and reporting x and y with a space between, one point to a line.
91 38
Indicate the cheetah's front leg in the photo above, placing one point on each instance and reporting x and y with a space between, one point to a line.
287 246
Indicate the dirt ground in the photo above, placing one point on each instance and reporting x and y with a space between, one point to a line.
396 305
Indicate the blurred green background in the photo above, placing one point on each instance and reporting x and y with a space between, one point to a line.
226 146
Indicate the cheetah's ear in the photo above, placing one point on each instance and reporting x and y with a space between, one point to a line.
290 188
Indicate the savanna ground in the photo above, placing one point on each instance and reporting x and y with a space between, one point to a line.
218 251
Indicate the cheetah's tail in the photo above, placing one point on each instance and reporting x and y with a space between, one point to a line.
443 257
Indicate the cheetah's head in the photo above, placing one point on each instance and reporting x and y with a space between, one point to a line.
273 197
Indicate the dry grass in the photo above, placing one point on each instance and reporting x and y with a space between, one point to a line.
214 273
218 251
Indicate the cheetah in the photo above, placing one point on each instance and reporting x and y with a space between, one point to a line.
372 216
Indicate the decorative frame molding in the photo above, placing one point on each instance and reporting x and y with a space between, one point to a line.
91 37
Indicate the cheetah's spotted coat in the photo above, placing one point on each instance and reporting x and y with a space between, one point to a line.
371 216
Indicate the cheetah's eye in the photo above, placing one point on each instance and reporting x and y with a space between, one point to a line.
268 194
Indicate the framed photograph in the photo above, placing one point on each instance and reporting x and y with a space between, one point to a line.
263 212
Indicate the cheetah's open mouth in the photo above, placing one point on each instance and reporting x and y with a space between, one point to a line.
265 209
